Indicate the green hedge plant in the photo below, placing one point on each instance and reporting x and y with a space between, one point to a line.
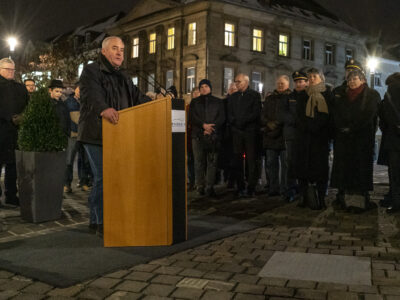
40 129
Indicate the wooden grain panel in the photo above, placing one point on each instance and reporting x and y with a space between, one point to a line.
137 176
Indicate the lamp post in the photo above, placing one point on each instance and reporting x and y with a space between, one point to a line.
12 42
372 63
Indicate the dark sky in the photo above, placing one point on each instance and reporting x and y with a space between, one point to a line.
40 19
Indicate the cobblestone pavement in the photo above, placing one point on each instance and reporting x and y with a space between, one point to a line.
228 268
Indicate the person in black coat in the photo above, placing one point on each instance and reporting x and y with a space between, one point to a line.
389 113
13 100
55 90
244 109
312 136
273 138
355 124
207 117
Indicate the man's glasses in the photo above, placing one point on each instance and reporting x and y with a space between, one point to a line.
8 69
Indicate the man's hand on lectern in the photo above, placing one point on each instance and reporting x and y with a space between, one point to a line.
111 115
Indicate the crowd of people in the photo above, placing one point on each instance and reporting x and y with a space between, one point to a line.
293 131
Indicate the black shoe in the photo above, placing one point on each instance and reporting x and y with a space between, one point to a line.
386 202
392 209
200 192
92 228
12 201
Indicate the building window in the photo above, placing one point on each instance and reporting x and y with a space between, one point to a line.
152 43
307 50
257 40
135 47
228 79
192 34
190 79
378 79
329 54
169 78
256 83
349 54
283 45
150 82
135 80
171 38
229 35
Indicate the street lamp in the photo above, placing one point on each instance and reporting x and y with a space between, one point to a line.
372 63
12 42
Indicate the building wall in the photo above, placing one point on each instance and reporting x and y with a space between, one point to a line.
385 67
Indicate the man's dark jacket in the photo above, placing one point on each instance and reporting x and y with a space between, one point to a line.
61 109
13 100
207 109
102 87
244 109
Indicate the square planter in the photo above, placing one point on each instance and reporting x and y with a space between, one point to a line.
40 183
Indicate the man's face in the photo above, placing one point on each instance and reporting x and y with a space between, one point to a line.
204 89
241 83
7 70
30 86
282 84
77 92
114 52
314 78
300 85
55 93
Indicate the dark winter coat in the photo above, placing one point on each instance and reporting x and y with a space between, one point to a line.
389 114
272 121
244 109
64 118
311 144
354 127
287 114
207 109
103 87
13 100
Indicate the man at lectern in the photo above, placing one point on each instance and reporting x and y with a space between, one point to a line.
105 89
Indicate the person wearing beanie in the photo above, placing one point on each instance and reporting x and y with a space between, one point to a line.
207 118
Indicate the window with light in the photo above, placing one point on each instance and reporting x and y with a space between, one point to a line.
257 40
229 35
192 34
190 79
171 38
135 47
283 45
349 54
152 43
307 50
329 54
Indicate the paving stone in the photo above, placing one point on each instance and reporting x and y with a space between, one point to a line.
8 294
10 284
185 264
272 281
216 275
373 297
145 268
139 276
187 293
392 297
166 279
5 274
342 295
37 288
219 285
302 284
166 261
25 296
217 295
161 290
105 283
327 286
122 295
241 296
233 268
318 251
118 274
279 291
95 293
243 278
66 292
204 259
390 290
382 266
168 270
370 289
152 297
192 273
208 266
249 288
310 294
131 286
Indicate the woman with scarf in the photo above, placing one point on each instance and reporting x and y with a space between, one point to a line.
311 146
355 124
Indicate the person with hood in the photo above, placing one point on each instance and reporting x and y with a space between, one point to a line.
389 114
355 123
312 136
207 118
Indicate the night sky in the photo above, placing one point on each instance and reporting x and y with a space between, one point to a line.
41 19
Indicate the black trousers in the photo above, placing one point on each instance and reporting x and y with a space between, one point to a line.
245 142
394 174
10 182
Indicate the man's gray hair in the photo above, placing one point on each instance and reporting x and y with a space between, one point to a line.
6 60
107 40
284 77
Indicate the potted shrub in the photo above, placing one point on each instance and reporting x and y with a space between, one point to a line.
41 160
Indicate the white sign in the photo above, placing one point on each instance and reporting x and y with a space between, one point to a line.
178 121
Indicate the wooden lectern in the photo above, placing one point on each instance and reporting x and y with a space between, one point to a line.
144 175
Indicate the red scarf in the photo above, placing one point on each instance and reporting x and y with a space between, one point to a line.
352 94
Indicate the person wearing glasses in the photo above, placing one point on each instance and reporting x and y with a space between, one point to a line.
13 100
